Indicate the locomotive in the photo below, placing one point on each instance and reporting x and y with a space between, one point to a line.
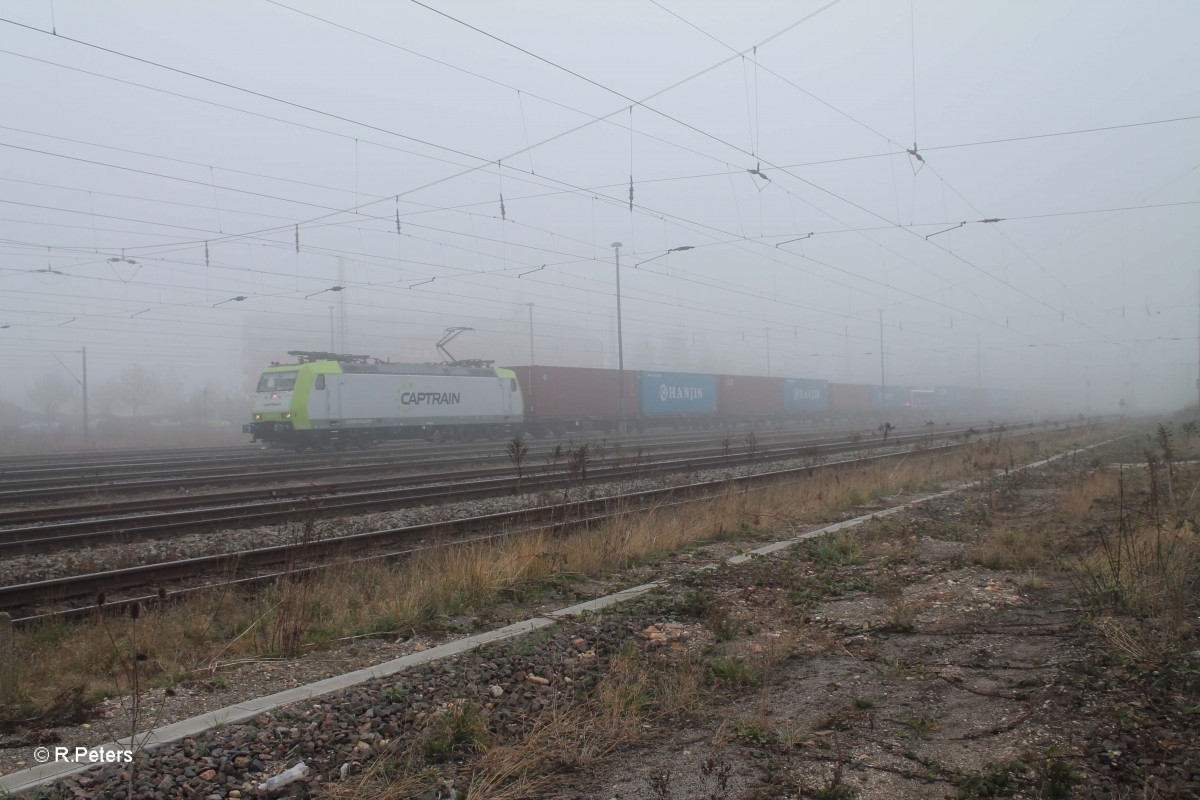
329 400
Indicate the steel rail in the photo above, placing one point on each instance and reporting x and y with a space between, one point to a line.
384 494
24 484
60 589
290 472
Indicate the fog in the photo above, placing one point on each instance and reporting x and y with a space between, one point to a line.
186 184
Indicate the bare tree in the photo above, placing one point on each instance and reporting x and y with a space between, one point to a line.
134 389
49 394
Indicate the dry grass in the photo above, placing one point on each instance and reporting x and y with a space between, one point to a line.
1076 503
565 737
1149 572
1017 550
201 636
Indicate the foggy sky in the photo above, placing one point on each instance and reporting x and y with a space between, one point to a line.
292 129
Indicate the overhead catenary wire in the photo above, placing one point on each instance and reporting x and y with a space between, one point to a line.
703 133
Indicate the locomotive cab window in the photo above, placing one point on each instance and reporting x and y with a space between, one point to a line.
277 381
319 383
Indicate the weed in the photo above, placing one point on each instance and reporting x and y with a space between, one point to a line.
518 451
1057 778
732 672
997 780
840 550
752 732
1004 549
578 459
460 728
922 726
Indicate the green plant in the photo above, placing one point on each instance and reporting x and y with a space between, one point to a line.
732 671
840 550
752 731
460 728
1057 778
922 726
997 780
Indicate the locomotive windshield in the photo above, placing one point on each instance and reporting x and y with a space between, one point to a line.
277 381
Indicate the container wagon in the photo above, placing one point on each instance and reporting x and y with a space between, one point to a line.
679 399
561 399
750 399
849 402
806 399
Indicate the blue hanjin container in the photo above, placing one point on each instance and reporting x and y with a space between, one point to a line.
678 393
805 394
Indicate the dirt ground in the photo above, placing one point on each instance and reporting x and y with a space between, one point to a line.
892 663
1032 637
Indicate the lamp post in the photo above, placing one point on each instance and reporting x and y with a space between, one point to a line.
332 345
616 246
86 433
882 376
532 361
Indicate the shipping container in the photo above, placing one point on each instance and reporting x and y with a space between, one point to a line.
576 393
801 395
889 397
953 397
749 397
999 400
922 398
849 399
678 394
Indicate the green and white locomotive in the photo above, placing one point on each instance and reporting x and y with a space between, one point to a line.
328 400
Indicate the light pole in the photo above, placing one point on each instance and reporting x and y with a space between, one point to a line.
86 433
882 380
616 246
332 346
532 361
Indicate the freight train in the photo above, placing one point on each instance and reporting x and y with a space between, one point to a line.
326 400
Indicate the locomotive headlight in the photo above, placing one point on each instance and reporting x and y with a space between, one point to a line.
287 415
258 417
274 395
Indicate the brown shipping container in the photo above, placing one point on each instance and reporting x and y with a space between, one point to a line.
849 398
571 393
749 396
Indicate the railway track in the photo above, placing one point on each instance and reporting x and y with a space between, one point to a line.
64 483
49 529
235 565
24 482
